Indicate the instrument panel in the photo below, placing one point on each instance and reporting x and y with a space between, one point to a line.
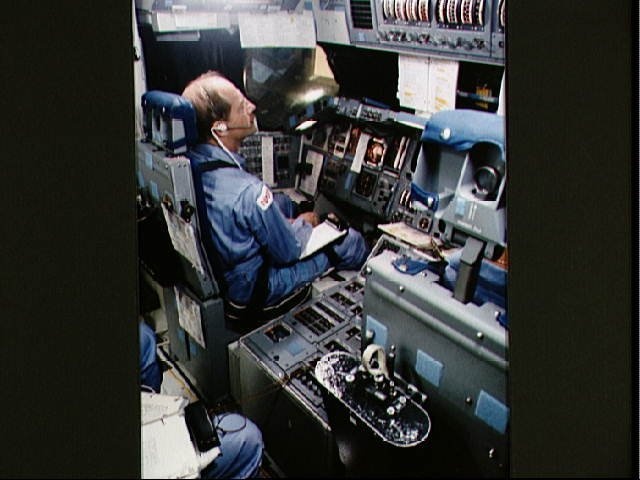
271 156
457 29
366 157
498 38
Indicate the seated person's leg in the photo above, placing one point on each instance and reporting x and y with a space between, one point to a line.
240 446
150 371
350 254
352 251
284 280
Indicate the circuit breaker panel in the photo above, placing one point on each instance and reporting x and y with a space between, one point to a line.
470 30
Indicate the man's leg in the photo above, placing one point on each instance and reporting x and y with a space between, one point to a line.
240 446
150 371
350 254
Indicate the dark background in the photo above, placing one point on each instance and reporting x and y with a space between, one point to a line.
68 299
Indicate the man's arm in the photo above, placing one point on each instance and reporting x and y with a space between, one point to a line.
282 240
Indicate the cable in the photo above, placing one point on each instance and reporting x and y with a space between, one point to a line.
221 417
147 388
226 149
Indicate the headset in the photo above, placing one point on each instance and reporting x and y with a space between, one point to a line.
222 145
223 127
220 126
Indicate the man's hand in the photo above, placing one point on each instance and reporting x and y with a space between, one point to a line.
310 217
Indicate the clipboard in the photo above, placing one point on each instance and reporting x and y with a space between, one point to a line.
322 235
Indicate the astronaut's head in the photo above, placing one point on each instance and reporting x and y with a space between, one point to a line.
223 114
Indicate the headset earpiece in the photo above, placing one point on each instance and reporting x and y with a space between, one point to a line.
219 127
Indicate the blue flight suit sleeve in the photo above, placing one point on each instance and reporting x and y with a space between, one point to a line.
302 230
271 229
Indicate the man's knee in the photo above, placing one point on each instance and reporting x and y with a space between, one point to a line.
243 431
352 251
240 445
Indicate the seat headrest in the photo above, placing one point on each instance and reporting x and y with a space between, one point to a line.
462 129
169 121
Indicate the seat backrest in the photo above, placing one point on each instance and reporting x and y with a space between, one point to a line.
169 121
166 189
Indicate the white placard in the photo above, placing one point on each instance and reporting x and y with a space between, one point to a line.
361 149
277 29
443 80
268 175
189 317
167 450
183 238
309 182
398 162
427 85
181 20
331 25
413 79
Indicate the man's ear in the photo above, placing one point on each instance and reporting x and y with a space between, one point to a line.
219 126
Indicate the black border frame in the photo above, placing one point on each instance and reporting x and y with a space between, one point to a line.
69 272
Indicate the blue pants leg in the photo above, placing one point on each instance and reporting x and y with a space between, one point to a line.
240 445
150 371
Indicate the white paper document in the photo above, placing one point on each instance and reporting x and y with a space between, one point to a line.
156 406
167 450
189 317
443 81
183 238
321 236
277 29
406 233
413 78
427 85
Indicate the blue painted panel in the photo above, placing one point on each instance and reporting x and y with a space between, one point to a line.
379 330
429 368
492 411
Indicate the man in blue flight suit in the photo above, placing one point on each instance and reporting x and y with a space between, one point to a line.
252 243
240 440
